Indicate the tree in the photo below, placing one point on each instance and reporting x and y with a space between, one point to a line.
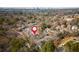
48 47
15 44
72 46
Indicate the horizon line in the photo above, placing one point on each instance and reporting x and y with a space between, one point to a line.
41 7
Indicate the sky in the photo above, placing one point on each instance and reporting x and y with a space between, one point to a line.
40 3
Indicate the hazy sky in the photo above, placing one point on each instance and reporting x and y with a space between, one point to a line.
39 3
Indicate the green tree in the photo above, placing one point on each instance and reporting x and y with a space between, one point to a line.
15 44
48 47
72 46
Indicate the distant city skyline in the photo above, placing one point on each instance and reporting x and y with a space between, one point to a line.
40 3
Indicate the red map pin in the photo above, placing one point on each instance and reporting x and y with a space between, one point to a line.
34 29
